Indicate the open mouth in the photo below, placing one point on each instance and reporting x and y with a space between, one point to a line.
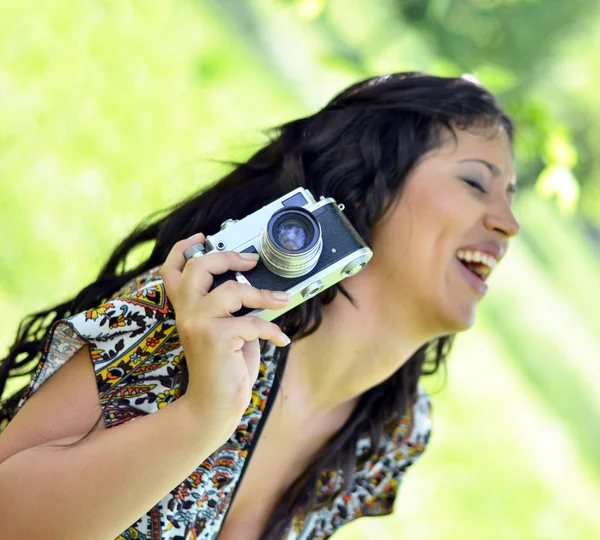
479 270
477 263
477 284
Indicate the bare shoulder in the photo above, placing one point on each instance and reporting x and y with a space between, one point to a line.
67 404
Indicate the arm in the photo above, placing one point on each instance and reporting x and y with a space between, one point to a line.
98 488
101 486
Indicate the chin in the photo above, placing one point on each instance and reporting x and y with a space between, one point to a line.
459 320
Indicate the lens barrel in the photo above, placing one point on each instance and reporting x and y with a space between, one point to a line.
291 243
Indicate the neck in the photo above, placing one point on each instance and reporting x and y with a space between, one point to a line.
354 350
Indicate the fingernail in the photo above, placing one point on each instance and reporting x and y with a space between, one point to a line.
286 338
249 256
280 295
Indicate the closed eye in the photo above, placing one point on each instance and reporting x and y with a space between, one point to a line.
474 184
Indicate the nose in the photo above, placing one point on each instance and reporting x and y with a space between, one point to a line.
503 220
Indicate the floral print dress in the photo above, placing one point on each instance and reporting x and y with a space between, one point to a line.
137 357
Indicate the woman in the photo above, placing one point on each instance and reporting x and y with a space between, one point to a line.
425 170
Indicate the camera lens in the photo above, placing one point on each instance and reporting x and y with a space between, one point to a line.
292 233
291 243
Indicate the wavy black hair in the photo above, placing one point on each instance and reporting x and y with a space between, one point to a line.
359 150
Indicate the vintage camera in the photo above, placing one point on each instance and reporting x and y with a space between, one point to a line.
304 246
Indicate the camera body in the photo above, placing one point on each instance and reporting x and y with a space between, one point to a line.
305 247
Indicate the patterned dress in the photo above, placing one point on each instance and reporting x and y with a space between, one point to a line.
137 356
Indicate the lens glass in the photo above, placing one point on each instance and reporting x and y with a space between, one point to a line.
291 242
293 232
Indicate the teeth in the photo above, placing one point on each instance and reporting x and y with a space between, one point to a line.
478 257
489 261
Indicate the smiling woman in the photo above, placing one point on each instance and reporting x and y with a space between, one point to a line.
282 441
441 220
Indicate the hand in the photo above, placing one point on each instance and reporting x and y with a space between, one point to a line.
222 351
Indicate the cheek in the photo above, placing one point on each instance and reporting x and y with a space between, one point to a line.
403 247
440 215
431 225
417 240
442 203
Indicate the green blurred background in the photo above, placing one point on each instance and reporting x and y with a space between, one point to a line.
113 109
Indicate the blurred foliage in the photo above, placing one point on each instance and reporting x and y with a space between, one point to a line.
111 110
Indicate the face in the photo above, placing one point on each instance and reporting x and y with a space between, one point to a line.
456 205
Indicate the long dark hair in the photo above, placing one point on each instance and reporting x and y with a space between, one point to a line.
358 149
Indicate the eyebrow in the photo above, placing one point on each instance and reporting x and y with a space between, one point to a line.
493 168
512 188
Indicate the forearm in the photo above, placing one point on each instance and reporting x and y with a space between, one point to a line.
101 486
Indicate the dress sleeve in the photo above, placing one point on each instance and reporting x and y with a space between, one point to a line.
134 348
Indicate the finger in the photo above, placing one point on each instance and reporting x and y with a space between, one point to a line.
231 296
251 352
197 276
173 266
233 333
